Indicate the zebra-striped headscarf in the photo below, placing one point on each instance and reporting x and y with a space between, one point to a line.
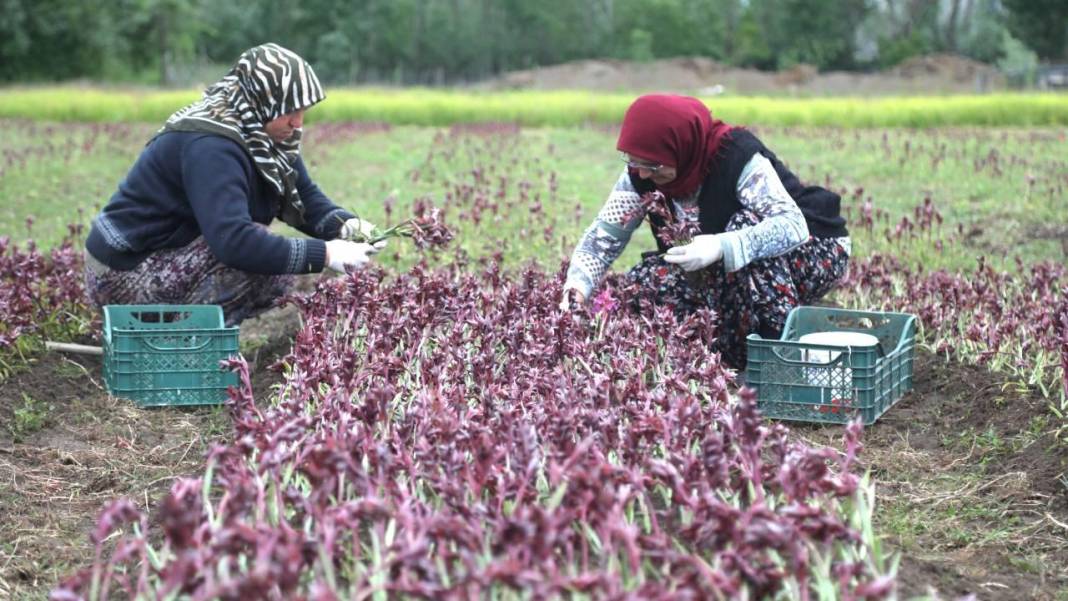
267 82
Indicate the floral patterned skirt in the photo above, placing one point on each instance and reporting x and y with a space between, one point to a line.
190 275
754 299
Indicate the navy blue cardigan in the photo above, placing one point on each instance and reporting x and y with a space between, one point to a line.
190 184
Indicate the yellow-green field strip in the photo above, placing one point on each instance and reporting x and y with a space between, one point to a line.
412 106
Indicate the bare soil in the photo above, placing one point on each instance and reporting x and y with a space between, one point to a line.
931 74
971 483
91 448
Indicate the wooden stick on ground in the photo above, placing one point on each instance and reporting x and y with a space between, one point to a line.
69 347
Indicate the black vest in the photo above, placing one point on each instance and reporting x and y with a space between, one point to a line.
719 192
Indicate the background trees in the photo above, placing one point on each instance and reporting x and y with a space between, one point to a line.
177 42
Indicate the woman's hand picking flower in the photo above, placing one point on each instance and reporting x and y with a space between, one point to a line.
571 298
343 255
702 252
358 230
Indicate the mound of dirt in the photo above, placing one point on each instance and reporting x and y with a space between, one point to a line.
616 75
938 73
944 66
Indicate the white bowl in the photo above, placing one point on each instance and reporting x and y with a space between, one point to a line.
839 338
839 378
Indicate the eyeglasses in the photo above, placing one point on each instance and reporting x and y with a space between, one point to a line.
640 164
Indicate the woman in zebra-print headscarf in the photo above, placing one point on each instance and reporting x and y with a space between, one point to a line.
188 223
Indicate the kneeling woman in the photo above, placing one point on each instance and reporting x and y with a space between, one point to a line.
765 243
188 224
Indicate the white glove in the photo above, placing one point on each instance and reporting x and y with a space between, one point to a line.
357 228
705 250
342 255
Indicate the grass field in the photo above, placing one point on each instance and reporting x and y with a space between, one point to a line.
1000 191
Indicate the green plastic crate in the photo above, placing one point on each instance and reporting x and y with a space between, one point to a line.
168 354
844 381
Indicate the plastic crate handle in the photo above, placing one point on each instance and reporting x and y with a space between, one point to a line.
174 317
843 351
197 347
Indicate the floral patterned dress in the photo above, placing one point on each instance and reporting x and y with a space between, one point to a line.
190 275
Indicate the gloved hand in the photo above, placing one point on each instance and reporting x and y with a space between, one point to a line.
703 251
359 230
571 294
342 255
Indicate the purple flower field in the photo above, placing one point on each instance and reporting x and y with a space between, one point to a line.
442 430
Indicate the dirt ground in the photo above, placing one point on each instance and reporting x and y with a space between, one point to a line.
972 488
91 448
931 74
972 485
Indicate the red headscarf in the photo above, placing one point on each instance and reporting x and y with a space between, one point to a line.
677 131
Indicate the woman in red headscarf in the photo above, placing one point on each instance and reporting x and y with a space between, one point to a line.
737 231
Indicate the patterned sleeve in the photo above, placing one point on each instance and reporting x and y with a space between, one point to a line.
605 239
782 227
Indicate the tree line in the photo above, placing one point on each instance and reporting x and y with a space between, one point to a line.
177 42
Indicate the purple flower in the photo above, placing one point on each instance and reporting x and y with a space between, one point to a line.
604 302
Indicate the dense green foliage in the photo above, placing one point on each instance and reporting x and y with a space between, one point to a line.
1043 23
448 41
